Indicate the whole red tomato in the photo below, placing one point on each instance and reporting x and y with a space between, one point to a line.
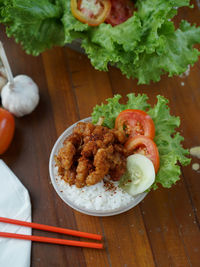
7 128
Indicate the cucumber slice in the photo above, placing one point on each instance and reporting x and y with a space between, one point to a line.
140 174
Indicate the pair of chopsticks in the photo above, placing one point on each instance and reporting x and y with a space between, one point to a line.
52 229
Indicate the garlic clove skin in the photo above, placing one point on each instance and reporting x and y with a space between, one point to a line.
3 79
21 98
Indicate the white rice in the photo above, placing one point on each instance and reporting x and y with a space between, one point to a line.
96 197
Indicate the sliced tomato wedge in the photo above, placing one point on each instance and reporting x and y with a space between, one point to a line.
121 10
144 145
91 12
135 122
7 128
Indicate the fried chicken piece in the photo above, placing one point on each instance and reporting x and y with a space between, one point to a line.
118 166
74 138
70 176
115 159
99 132
89 149
89 128
121 149
90 153
102 165
119 135
65 155
61 170
99 143
108 138
79 128
82 171
84 129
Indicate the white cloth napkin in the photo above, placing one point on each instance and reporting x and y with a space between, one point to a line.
14 203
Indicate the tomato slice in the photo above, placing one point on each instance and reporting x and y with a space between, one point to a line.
135 122
7 127
121 10
91 12
144 145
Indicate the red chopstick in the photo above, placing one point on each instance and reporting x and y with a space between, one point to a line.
52 240
51 228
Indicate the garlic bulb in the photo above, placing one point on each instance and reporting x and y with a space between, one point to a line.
21 97
3 79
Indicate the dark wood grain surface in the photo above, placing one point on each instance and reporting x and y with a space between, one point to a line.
163 230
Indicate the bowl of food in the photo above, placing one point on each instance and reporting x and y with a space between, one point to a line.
106 164
104 198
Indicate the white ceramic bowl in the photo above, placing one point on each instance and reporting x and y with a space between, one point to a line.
59 143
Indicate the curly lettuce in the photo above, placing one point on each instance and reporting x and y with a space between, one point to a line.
168 140
34 24
144 47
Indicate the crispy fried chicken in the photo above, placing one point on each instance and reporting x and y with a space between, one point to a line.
90 153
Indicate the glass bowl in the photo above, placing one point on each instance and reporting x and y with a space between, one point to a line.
54 179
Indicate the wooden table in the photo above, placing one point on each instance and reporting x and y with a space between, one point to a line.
163 230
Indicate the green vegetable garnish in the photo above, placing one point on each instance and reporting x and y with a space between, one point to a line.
145 46
167 139
35 24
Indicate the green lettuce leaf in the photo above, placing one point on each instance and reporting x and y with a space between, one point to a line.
73 28
35 24
144 47
167 139
111 110
177 55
